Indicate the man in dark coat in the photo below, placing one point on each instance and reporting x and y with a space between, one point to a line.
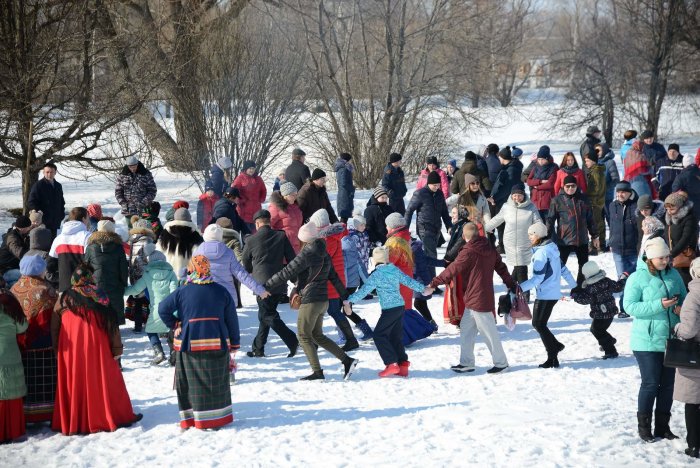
15 244
669 168
570 212
654 152
47 196
297 172
592 139
394 183
313 197
492 162
624 235
263 256
688 181
219 180
429 205
346 189
470 166
135 189
375 215
226 208
508 176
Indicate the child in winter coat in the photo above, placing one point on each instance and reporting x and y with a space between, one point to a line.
357 226
355 271
597 290
141 244
205 206
388 333
150 214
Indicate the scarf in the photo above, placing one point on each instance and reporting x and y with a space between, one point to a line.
199 270
83 283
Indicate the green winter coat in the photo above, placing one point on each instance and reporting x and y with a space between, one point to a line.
160 280
105 254
643 294
12 384
595 185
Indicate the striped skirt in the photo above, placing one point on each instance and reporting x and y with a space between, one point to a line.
203 390
40 376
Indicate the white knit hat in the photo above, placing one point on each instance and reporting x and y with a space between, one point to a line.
592 272
380 255
688 160
656 248
213 232
105 226
308 232
538 229
320 218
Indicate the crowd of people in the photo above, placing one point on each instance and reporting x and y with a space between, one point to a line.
71 281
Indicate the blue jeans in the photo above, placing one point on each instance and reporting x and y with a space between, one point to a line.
335 310
153 338
624 263
657 382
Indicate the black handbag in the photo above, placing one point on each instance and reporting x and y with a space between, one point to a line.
681 353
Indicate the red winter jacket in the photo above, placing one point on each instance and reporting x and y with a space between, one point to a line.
580 180
476 262
205 210
253 193
334 235
444 184
287 218
541 190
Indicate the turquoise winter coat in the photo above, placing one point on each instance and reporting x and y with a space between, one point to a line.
160 280
643 294
386 279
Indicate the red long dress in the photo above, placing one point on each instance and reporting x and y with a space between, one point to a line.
91 395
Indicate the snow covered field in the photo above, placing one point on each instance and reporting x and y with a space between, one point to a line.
582 414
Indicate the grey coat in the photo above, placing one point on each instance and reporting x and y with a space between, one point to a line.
687 387
518 219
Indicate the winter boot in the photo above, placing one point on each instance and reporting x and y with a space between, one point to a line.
171 346
341 337
623 315
158 355
661 428
390 370
350 340
551 362
693 452
315 376
349 365
366 330
403 368
644 427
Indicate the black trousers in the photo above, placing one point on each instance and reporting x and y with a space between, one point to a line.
388 336
421 306
581 252
692 425
270 318
540 316
599 328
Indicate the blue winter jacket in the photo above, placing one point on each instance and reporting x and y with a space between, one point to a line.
494 166
346 190
612 175
655 153
355 269
208 318
218 181
625 146
421 266
386 279
642 300
624 232
547 270
430 209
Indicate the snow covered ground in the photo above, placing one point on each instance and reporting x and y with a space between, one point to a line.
582 414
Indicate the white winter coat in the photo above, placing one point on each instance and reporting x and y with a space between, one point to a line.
518 219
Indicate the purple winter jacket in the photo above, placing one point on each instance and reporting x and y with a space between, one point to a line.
224 267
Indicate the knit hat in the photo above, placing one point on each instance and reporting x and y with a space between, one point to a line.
433 178
518 189
308 232
132 160
320 218
624 186
32 265
656 248
40 238
470 156
492 148
674 146
544 152
505 153
592 129
247 165
36 216
675 199
345 156
394 157
395 221
432 160
453 163
262 213
23 221
157 256
298 152
651 224
646 134
233 192
378 192
688 160
224 162
538 229
225 222
317 174
469 178
356 221
517 152
106 226
152 210
94 210
144 224
380 255
570 180
181 204
592 272
213 232
182 214
208 185
645 202
288 188
592 156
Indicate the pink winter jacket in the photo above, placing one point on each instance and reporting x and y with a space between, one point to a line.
423 181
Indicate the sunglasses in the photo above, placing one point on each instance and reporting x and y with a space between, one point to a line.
570 186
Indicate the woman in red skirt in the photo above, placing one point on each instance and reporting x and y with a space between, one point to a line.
12 386
90 393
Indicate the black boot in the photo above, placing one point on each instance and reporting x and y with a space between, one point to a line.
349 365
315 376
551 362
158 355
644 427
661 428
693 452
350 340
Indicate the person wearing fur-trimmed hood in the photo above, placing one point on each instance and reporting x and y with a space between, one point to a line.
179 239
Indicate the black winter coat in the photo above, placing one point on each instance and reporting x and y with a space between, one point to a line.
470 166
682 230
310 270
494 166
689 182
624 232
508 176
588 145
375 215
225 208
573 217
456 241
14 246
655 154
346 190
311 199
48 198
394 183
297 173
600 296
105 254
430 208
265 254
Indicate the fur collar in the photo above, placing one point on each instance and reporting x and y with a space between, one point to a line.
170 224
142 232
682 213
180 239
101 237
331 230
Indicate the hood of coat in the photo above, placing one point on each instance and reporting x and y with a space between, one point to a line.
170 224
340 163
694 285
213 250
680 214
73 227
142 232
523 205
333 230
479 246
140 170
103 238
40 239
159 268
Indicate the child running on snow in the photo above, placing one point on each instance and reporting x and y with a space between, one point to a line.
386 279
597 290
